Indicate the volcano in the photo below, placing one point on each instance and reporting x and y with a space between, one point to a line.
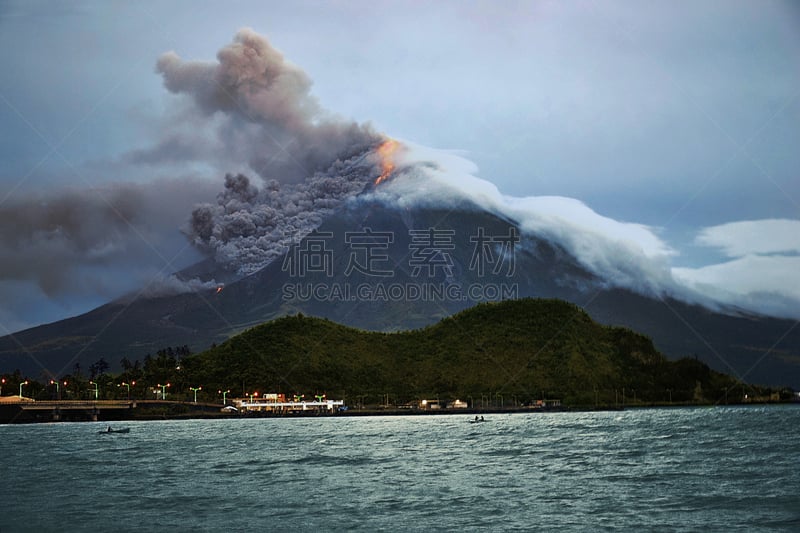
383 267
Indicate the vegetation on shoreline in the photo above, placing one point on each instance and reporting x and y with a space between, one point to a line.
499 354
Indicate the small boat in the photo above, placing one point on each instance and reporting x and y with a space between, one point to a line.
111 430
476 420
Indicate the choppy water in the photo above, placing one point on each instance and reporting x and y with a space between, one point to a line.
712 469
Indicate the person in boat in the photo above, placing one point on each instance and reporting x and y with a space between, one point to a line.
108 430
476 418
481 418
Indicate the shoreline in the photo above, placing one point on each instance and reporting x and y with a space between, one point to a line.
11 413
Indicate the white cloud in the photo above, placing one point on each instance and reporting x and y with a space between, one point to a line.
621 253
766 284
764 274
768 236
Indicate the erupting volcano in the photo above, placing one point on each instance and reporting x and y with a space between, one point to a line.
299 222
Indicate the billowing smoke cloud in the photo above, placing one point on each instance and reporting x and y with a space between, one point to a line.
249 111
248 227
97 241
171 284
253 106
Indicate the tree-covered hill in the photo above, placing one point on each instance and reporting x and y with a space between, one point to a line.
513 352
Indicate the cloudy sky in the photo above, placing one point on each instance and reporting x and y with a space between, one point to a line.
683 117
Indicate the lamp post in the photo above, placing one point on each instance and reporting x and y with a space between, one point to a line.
58 389
95 388
163 390
195 389
124 384
2 382
224 395
251 396
20 387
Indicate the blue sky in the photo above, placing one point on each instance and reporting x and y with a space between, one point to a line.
682 116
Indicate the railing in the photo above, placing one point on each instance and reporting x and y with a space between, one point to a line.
105 404
77 404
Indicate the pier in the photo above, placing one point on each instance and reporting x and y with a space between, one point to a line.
286 407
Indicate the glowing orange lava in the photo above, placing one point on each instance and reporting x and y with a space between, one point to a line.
386 153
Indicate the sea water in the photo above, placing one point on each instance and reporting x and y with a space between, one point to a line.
698 469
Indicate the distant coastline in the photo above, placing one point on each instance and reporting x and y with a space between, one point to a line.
21 412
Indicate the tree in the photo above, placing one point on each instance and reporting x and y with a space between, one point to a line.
98 368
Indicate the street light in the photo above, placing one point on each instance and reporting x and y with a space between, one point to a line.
163 390
95 388
58 389
195 389
124 384
2 382
20 387
251 396
224 395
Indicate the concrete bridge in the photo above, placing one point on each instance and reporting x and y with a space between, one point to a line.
26 410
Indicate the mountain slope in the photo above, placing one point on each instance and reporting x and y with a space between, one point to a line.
520 350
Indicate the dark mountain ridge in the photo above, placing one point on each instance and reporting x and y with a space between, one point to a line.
521 350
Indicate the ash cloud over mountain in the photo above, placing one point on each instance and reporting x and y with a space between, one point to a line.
249 110
259 110
249 227
99 241
301 160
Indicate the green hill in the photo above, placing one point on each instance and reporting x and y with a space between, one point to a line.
511 352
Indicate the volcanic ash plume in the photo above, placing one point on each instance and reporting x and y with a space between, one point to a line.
248 227
261 111
257 107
